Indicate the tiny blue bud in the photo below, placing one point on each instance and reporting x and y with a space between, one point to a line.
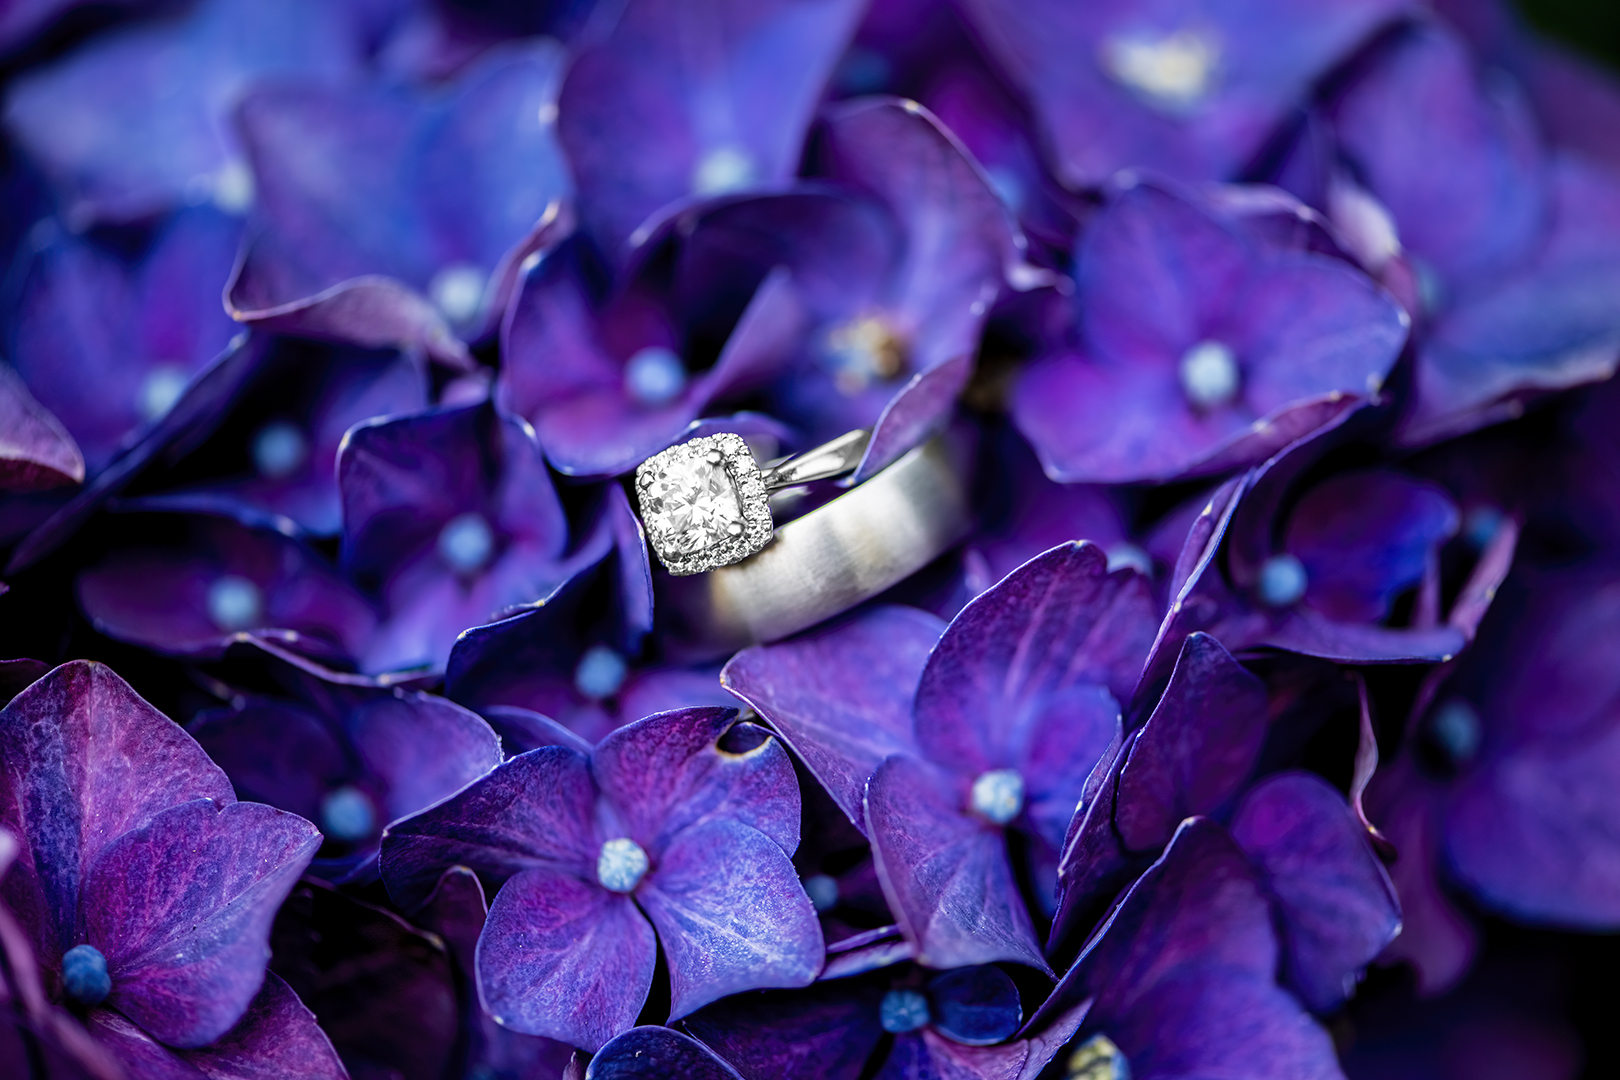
466 543
998 795
1127 554
161 390
1282 580
279 450
347 814
1455 729
1209 375
621 865
600 673
822 891
654 376
84 975
458 291
902 1011
235 603
1481 524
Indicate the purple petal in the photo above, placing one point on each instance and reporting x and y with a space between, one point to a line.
536 809
86 762
1337 906
731 915
181 908
275 753
843 729
670 772
1093 74
1059 622
229 582
945 873
564 958
679 101
653 1053
427 257
422 748
107 125
1066 739
828 1031
36 452
1197 748
277 1037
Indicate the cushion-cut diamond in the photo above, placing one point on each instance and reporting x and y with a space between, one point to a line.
690 504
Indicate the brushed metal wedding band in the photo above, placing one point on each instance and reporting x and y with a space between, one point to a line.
872 537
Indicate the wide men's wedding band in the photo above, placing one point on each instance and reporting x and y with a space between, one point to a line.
873 536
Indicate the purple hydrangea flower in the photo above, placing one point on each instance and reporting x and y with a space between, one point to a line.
349 760
107 124
146 890
452 518
445 194
693 99
683 821
1513 247
947 738
1190 88
227 583
1201 347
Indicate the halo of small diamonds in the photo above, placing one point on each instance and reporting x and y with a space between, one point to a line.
680 489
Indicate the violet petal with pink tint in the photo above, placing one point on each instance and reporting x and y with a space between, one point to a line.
1337 908
731 915
1059 622
565 958
843 729
535 809
1197 748
36 452
671 772
945 873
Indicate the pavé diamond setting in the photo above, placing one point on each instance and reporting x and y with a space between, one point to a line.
704 504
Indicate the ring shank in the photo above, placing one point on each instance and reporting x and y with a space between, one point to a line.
871 537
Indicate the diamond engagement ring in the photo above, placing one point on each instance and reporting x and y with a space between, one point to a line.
736 581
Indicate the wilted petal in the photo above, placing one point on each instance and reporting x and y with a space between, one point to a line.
945 873
1336 904
181 908
86 761
731 915
1059 622
842 729
673 771
1197 748
681 100
536 809
564 958
653 1053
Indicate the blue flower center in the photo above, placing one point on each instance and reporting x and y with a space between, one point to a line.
1097 1059
1209 375
279 450
1171 72
902 1011
1455 731
235 603
458 292
347 814
466 543
600 673
84 975
621 865
1127 555
723 169
232 187
822 890
161 390
998 795
1481 525
862 351
654 376
1282 581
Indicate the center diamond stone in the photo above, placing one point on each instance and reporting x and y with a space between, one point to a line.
703 504
690 506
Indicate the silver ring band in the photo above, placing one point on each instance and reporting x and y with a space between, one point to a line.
868 539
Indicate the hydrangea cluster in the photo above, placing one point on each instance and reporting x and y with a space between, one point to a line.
1263 725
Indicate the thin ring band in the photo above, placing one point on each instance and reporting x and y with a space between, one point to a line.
848 550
